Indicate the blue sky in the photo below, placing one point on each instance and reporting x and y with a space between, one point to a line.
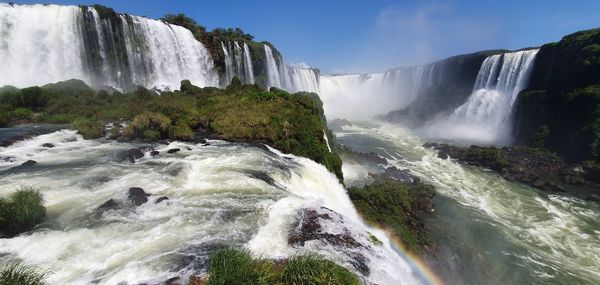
372 35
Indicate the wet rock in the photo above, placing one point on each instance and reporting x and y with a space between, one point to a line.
574 179
154 153
48 145
134 154
173 150
163 198
137 196
29 163
309 228
337 125
401 175
262 176
111 204
593 198
201 141
7 158
197 280
328 228
102 179
173 281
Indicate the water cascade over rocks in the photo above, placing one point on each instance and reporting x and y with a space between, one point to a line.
108 49
191 201
365 95
485 117
238 63
289 77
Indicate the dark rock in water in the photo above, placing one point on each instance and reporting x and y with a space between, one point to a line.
593 198
206 144
529 166
7 158
201 141
133 154
173 281
163 198
154 153
29 163
48 145
173 150
401 175
109 205
137 196
102 179
337 124
262 176
313 224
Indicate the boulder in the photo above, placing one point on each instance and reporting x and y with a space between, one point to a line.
109 205
48 145
137 196
29 163
154 153
173 150
163 198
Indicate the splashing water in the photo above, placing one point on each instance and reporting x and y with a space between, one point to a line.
215 196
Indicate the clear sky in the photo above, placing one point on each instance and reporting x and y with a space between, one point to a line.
372 35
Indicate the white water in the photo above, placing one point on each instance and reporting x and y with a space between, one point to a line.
289 77
248 69
42 44
362 96
238 63
533 238
214 198
485 117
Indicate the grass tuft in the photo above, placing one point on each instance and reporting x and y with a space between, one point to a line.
21 274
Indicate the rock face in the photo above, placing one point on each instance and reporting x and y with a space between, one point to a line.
137 196
337 125
533 167
320 228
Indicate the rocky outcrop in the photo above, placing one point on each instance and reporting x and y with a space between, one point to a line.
135 197
534 167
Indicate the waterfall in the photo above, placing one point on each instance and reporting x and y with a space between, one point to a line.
42 44
238 63
363 96
248 69
485 117
273 79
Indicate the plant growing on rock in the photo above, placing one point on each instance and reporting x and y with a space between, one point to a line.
21 274
23 210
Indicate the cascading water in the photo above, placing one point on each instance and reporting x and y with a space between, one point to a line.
362 96
485 117
289 77
238 63
222 193
65 42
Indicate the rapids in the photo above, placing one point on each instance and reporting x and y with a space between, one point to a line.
490 231
222 193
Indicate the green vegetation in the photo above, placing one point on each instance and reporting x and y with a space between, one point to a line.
561 108
230 267
292 123
488 156
397 206
22 211
21 274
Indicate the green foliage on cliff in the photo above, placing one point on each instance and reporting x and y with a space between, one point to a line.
563 98
230 266
396 206
293 123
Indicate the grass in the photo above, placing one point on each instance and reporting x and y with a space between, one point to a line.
232 266
397 206
22 211
21 274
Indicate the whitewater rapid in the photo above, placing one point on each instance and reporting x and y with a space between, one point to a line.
493 231
217 194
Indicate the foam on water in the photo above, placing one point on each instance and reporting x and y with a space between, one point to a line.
215 197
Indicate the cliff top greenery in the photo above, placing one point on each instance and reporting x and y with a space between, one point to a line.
292 123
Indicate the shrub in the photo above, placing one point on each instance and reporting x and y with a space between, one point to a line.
155 122
21 274
22 212
231 266
181 131
311 269
5 119
397 206
21 113
89 128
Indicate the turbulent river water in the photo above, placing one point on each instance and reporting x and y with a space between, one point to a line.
222 193
490 231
